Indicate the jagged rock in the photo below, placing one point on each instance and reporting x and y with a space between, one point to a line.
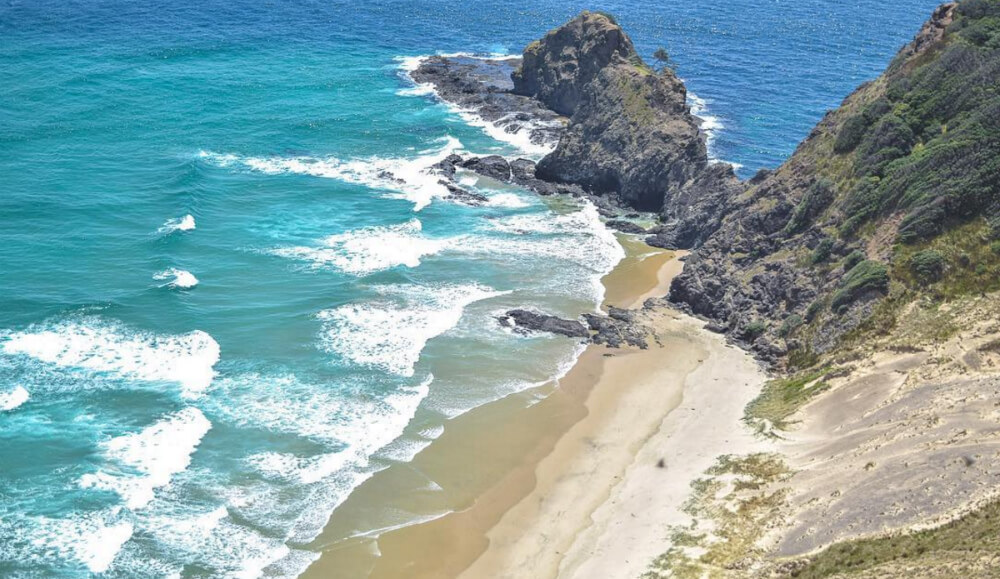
460 195
557 69
493 166
621 314
522 170
526 321
448 165
484 85
775 252
616 329
661 240
624 226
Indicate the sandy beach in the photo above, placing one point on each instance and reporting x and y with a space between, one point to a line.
614 483
583 477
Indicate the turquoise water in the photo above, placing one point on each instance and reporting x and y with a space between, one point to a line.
229 290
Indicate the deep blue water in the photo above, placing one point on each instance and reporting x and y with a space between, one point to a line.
343 310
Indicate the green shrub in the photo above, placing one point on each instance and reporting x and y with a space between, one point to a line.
851 133
813 309
816 199
822 251
607 15
853 259
866 276
927 265
933 140
754 329
789 325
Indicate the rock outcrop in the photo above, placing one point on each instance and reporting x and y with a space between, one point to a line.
557 69
525 321
619 328
484 85
631 132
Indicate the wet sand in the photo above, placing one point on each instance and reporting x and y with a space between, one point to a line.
533 482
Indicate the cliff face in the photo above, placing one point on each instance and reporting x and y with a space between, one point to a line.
631 132
893 198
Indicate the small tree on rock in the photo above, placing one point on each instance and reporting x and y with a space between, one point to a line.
663 57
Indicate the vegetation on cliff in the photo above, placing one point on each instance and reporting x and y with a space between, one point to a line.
895 194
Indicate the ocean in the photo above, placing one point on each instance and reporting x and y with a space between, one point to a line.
231 292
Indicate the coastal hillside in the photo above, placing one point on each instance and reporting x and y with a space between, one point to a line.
887 212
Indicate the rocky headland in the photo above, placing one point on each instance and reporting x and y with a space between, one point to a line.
864 271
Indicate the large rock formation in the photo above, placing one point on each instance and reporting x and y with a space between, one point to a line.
556 69
631 131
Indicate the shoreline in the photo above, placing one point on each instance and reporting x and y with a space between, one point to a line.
603 503
535 477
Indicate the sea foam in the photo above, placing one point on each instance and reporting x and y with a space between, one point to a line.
369 249
13 398
93 539
185 223
405 178
110 347
157 452
710 125
178 278
390 333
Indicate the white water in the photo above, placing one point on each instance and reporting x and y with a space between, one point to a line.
108 347
409 178
156 453
178 278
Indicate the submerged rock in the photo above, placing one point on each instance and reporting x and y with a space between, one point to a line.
460 195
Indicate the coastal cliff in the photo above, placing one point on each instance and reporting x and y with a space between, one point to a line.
891 200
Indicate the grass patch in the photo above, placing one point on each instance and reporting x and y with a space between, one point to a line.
972 541
780 398
732 514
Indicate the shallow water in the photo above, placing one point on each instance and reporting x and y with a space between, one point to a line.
229 290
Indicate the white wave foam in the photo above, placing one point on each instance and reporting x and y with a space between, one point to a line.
158 452
407 178
370 249
13 398
100 346
508 200
185 223
308 487
218 543
710 125
90 539
404 450
579 237
179 278
390 334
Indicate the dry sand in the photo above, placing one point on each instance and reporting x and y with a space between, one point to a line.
603 503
